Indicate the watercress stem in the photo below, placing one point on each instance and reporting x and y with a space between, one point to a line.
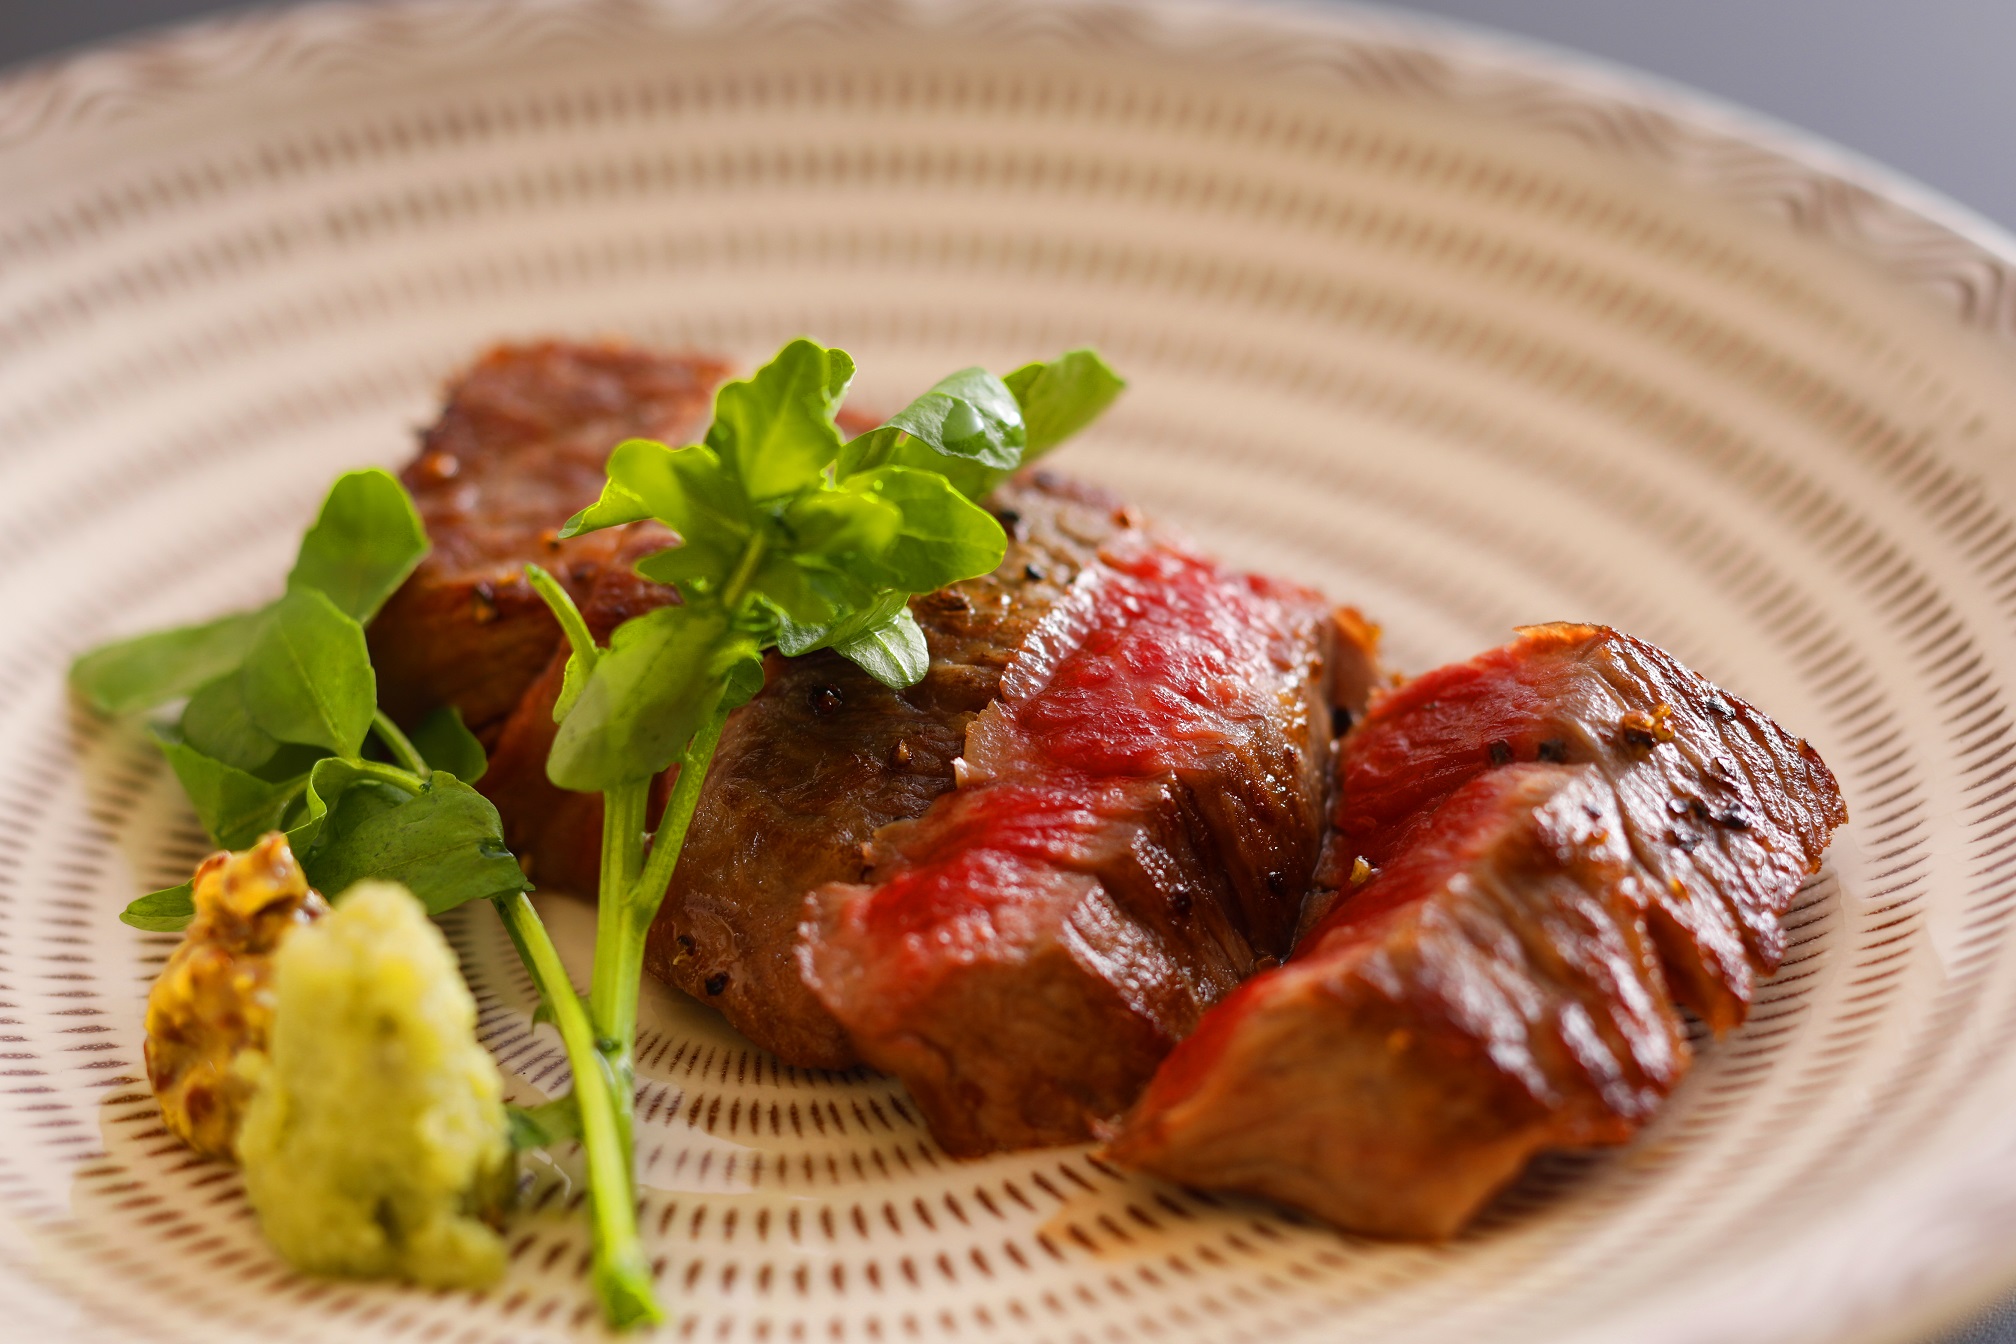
561 603
602 1099
411 781
623 811
649 890
399 744
745 570
619 953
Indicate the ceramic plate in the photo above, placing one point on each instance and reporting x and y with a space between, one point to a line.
1469 336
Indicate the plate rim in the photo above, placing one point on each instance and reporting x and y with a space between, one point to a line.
1919 237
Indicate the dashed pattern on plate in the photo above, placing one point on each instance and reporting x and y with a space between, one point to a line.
1467 339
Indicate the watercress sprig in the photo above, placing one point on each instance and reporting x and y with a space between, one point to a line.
281 704
792 538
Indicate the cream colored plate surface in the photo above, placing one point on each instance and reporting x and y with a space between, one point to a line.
1465 336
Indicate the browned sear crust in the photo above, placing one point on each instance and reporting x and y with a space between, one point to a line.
825 756
518 449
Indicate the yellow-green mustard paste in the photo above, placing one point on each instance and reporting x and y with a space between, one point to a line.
375 1140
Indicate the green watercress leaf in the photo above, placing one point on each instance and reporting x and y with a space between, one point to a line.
573 678
547 1125
894 652
291 760
942 536
662 673
968 428
145 671
234 806
217 723
446 744
774 432
377 785
308 676
742 682
616 506
444 843
327 781
834 526
363 544
1061 397
969 414
165 911
793 638
693 493
810 585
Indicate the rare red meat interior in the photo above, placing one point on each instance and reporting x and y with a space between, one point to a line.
1492 993
825 756
1546 848
1728 813
1018 884
1139 812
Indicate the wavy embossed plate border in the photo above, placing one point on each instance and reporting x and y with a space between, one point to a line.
1942 1245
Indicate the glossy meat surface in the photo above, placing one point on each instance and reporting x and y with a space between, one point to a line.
1726 811
1138 816
1490 993
825 756
518 448
1538 852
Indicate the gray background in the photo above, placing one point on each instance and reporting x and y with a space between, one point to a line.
1925 86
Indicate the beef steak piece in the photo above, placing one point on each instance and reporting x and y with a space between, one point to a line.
518 449
1727 812
1547 845
825 756
1137 816
1490 993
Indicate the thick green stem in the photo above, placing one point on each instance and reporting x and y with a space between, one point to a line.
400 745
604 1036
622 856
619 942
650 888
603 1101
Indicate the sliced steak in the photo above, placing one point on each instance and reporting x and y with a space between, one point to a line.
1137 817
519 447
1726 811
1490 993
825 756
1497 973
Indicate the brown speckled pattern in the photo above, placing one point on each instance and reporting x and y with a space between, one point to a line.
1465 339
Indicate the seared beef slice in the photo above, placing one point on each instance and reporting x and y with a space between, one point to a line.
1727 812
519 448
825 756
1489 994
1496 978
1138 814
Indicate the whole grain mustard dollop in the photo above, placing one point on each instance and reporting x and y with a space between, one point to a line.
214 999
